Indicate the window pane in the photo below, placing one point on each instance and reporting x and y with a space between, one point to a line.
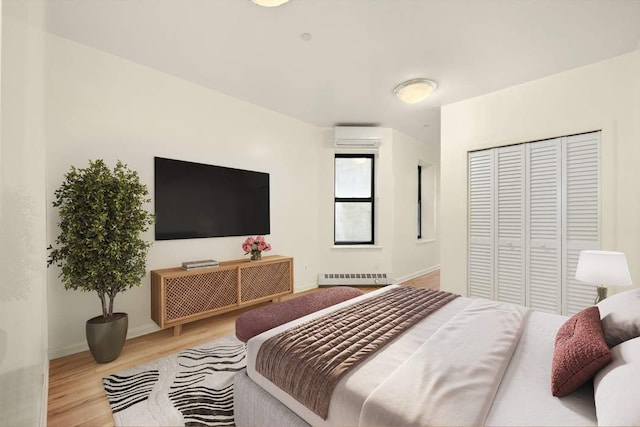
353 177
353 222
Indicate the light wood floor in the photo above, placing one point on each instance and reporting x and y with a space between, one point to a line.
76 396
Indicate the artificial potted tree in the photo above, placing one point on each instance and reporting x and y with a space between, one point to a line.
99 247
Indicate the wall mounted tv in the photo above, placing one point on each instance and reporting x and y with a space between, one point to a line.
194 200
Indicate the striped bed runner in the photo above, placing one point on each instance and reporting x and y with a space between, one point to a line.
308 360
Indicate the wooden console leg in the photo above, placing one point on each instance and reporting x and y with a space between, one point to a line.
177 330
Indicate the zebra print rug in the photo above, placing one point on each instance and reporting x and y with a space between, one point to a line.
191 388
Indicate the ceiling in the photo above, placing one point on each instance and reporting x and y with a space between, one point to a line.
359 49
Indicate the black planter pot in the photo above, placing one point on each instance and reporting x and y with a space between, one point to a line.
106 338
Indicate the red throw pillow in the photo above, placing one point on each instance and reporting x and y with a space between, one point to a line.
580 352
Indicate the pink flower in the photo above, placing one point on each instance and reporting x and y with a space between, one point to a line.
253 244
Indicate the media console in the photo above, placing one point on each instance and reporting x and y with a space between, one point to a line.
179 296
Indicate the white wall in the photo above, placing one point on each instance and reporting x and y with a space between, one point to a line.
605 95
357 259
23 292
101 106
411 256
396 250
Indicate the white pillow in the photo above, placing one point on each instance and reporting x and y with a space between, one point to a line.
620 316
617 387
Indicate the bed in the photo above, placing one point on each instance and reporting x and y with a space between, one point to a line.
395 386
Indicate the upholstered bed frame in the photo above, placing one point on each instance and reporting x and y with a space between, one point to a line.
253 406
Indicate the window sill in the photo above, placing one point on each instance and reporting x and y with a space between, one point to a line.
423 241
356 247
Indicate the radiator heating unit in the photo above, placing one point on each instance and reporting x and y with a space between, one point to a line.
354 279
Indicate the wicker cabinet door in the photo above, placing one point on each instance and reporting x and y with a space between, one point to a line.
193 294
264 280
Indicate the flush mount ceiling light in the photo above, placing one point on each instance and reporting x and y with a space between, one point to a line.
416 90
270 3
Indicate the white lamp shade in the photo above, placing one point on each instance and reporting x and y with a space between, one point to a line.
603 268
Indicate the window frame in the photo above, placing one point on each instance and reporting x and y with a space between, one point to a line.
370 199
419 202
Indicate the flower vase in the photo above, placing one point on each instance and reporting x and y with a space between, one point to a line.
256 255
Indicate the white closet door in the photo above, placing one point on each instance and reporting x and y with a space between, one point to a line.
481 218
581 214
544 237
510 224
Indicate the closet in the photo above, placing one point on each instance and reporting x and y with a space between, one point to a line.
532 208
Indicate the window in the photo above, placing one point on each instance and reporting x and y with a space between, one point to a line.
426 215
419 202
354 195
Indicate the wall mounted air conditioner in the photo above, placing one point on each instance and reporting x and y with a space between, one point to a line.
357 136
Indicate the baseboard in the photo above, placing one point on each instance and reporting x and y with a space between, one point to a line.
145 329
416 274
305 287
55 353
44 406
82 346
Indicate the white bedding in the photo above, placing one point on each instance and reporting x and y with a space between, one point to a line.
453 377
523 397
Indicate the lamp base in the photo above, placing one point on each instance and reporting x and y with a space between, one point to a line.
602 293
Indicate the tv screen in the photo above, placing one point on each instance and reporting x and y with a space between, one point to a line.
194 200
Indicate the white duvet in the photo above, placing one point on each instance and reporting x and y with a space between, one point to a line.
452 378
471 362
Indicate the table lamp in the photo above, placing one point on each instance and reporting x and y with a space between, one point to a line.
603 268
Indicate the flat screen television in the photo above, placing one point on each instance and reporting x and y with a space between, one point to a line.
195 200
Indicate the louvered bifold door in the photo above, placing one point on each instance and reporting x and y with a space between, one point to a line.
481 217
544 219
510 224
581 214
